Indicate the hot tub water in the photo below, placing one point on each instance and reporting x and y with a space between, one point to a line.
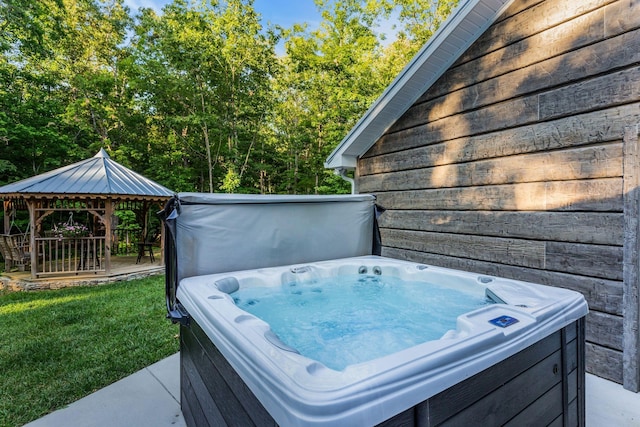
349 319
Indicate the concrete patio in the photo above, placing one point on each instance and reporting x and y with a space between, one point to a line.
151 398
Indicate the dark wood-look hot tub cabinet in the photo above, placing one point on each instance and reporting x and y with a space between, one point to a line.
542 385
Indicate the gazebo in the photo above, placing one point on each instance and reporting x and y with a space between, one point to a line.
94 189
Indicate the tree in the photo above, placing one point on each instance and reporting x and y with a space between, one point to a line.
331 82
205 78
58 72
418 21
195 97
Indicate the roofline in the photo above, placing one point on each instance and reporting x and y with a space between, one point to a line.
84 196
463 27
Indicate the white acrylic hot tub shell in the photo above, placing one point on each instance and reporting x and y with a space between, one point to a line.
298 391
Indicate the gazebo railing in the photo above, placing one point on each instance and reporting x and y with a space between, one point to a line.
70 255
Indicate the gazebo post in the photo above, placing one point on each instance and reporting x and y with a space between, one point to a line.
108 212
32 238
145 220
7 221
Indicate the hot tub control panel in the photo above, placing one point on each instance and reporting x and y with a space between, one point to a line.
503 321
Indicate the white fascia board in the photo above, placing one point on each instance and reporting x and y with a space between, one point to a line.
466 23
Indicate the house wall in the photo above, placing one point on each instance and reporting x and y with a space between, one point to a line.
512 163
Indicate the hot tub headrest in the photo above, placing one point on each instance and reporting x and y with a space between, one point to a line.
228 285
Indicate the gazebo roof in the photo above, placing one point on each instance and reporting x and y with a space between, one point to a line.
98 175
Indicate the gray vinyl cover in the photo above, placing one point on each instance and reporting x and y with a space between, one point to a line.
218 233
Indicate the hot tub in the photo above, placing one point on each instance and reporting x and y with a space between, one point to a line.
517 361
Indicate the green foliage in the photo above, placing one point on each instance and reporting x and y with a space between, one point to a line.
231 181
128 231
127 220
421 18
205 72
195 97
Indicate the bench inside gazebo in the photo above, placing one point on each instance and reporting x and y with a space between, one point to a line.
72 223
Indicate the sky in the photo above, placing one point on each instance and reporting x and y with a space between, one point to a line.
277 12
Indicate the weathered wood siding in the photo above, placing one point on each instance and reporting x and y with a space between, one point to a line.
512 163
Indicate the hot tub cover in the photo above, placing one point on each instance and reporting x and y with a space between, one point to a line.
216 233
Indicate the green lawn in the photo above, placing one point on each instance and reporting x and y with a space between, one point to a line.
60 345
